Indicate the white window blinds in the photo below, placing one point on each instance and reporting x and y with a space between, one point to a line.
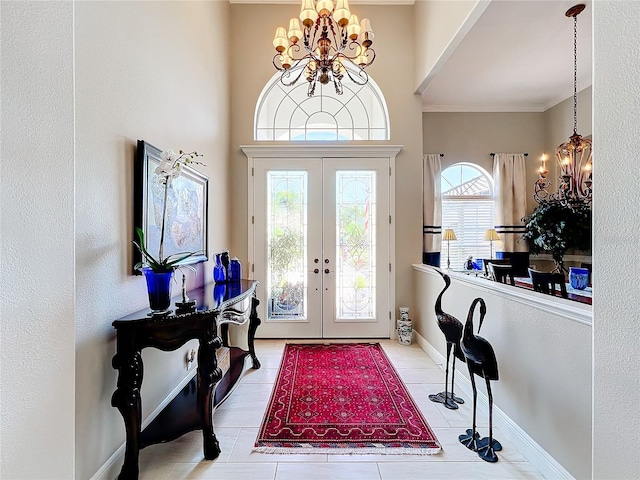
469 218
468 209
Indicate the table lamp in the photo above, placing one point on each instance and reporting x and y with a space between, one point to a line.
491 235
447 236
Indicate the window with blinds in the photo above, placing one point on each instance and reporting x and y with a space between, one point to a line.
468 209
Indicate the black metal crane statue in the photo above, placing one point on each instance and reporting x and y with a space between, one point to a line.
452 329
481 361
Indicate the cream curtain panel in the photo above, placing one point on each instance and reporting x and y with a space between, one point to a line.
431 209
509 175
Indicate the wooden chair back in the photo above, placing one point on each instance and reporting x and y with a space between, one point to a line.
496 261
546 282
500 273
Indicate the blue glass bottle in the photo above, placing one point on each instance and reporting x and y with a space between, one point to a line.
219 272
235 270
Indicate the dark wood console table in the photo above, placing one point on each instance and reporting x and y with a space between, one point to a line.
217 305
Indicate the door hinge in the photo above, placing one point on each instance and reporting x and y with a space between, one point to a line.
389 171
389 219
252 219
253 268
389 314
252 171
389 267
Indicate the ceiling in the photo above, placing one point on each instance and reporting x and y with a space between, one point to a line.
517 57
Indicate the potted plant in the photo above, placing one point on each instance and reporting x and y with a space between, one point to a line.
555 228
158 271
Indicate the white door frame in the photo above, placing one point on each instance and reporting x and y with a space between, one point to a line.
305 150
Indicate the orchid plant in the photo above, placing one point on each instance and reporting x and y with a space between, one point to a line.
170 167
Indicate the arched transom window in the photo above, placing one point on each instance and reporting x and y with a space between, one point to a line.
468 209
288 114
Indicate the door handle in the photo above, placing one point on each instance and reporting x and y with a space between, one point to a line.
326 260
326 270
315 270
316 260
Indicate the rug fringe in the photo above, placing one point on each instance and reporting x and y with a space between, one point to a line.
348 451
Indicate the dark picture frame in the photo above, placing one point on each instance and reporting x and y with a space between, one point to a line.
186 227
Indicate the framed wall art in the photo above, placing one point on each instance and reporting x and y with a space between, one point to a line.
186 214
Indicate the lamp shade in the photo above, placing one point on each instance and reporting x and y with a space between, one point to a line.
491 235
295 32
280 40
448 235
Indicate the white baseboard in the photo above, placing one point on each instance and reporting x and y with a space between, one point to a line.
530 449
111 467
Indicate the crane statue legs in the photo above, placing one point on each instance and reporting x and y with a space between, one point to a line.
451 327
481 361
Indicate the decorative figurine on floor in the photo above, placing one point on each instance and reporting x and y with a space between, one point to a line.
452 329
481 361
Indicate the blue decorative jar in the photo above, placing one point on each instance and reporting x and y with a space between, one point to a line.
159 289
578 277
235 270
219 272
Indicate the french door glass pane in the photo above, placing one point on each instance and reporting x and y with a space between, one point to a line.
287 244
355 244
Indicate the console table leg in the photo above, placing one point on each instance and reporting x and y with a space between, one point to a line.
208 375
254 321
127 400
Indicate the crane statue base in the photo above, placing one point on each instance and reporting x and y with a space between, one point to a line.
451 401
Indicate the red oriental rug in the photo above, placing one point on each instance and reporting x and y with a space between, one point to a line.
346 398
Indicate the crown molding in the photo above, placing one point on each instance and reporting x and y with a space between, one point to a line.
494 108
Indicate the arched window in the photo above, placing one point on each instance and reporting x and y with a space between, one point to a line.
288 114
467 208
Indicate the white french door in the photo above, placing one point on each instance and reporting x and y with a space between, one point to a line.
321 247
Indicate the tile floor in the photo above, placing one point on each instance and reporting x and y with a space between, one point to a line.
238 419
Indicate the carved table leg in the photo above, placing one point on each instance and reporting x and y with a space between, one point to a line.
208 375
254 321
127 400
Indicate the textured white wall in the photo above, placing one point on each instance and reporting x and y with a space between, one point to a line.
150 71
37 249
544 361
616 208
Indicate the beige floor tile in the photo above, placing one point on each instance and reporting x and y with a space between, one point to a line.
328 471
420 375
160 471
456 471
223 471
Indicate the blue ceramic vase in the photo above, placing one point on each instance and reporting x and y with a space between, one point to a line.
578 278
159 289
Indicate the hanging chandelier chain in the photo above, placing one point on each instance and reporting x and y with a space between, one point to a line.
575 73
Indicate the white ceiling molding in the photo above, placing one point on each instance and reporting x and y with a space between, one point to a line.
490 108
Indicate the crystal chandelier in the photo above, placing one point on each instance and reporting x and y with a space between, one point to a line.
330 40
575 156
